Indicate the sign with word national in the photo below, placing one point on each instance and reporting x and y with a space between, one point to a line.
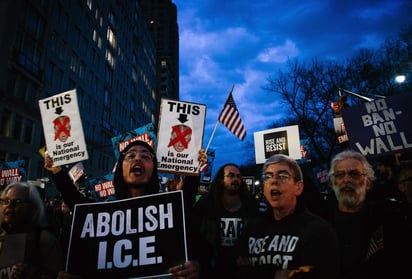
139 237
180 136
381 126
283 140
63 129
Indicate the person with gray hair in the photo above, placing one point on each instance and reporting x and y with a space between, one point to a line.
351 166
23 213
355 217
287 238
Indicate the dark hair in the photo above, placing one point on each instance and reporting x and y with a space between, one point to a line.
216 189
121 189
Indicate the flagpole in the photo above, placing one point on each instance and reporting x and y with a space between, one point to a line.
217 123
213 133
214 130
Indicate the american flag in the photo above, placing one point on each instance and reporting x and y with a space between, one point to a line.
230 117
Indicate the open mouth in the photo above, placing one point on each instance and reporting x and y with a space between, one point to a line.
274 193
137 169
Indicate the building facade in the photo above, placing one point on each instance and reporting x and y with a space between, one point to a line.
103 49
162 18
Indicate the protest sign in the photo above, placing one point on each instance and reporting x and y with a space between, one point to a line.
63 129
144 133
180 136
340 130
102 188
250 183
139 237
283 140
206 170
76 172
380 127
12 172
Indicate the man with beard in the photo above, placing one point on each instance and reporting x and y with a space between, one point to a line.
223 213
354 216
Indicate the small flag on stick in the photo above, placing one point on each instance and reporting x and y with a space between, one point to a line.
230 117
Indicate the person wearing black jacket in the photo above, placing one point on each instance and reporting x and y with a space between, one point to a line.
222 215
287 238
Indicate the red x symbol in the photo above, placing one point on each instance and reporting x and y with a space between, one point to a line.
60 126
180 136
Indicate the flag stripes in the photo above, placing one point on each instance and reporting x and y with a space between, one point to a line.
376 243
230 117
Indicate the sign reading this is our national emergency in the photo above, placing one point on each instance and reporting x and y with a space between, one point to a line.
381 126
180 136
284 140
63 129
139 237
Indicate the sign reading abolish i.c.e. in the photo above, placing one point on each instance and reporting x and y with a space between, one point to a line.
138 237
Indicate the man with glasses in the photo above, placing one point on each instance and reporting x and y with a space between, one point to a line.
355 217
222 214
287 238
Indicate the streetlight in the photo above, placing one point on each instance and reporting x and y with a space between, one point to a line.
400 78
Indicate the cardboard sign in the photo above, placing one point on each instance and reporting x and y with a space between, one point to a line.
180 136
380 127
12 172
139 237
63 129
284 140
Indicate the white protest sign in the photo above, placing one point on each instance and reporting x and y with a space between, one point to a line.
180 136
283 140
62 127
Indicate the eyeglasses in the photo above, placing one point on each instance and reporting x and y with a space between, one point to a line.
408 179
144 157
231 175
279 177
13 202
354 174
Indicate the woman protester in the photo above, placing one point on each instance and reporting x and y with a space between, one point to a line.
23 213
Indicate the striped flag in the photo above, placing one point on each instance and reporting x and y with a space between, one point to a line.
230 117
376 243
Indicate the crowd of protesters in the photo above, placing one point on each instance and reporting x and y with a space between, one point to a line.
360 229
